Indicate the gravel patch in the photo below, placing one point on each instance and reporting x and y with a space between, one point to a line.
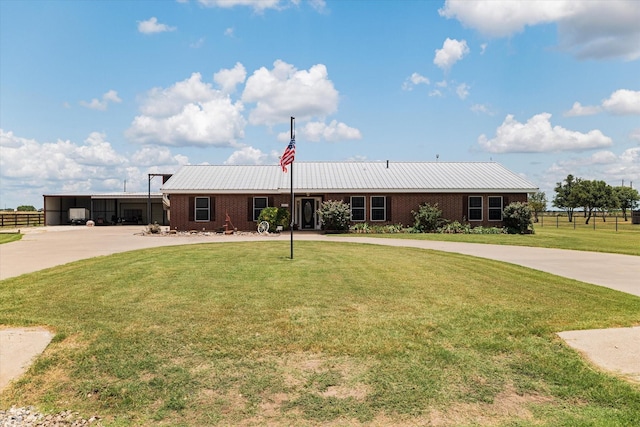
28 417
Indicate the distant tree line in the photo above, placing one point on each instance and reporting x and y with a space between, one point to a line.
592 197
21 208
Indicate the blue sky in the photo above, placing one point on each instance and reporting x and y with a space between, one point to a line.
93 93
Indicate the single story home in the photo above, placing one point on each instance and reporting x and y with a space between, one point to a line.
201 197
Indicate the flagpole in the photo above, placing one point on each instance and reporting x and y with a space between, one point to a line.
293 137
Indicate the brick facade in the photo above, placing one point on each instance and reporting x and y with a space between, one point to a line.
454 207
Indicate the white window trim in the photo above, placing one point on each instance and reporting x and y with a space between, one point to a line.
384 209
481 207
491 209
364 209
196 209
266 205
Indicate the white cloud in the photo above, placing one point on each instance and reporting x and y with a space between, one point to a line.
257 5
190 112
318 5
623 102
150 155
29 169
481 108
413 80
152 26
285 91
228 79
462 90
483 48
320 131
588 29
635 135
229 32
251 156
198 43
538 136
602 165
96 104
452 51
580 110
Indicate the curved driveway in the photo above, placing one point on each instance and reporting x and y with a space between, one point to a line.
50 246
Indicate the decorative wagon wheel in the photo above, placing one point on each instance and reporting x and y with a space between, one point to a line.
263 227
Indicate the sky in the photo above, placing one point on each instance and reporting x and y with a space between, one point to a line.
95 95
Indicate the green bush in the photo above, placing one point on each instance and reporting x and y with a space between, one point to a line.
458 228
335 215
427 219
455 228
516 218
275 217
366 228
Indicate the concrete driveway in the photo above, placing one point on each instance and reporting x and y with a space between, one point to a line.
616 350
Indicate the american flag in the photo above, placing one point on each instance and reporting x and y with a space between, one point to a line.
288 155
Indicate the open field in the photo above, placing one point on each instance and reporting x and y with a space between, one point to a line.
345 334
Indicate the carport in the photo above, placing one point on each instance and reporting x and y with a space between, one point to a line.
107 208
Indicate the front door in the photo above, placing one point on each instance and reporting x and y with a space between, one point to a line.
308 213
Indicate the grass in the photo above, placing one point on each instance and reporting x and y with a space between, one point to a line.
604 238
344 334
9 237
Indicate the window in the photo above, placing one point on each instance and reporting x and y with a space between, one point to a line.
378 208
357 208
495 208
475 208
259 203
202 211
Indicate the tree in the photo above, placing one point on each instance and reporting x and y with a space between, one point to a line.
628 198
565 197
538 203
593 196
26 208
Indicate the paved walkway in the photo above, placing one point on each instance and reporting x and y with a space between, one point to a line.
46 247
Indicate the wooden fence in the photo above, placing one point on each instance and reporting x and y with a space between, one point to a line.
21 219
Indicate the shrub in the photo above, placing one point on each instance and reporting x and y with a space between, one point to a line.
455 228
487 230
334 215
366 228
275 217
427 219
516 218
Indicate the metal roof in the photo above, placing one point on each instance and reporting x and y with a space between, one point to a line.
115 195
343 177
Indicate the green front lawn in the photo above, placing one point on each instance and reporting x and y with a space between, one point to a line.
583 238
9 237
344 334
